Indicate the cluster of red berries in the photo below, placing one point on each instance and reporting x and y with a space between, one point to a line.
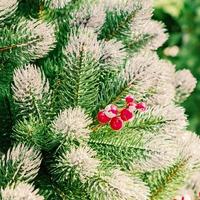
116 118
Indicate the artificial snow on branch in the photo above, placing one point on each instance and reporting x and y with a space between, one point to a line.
185 84
161 152
174 117
19 192
80 162
20 163
128 187
72 123
7 8
44 36
28 40
113 53
157 31
59 3
85 41
122 5
143 15
29 83
145 72
90 14
189 145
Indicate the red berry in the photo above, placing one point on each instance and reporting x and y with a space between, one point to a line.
116 123
102 118
129 99
141 106
132 106
111 111
126 115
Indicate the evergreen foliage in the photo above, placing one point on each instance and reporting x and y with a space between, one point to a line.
62 61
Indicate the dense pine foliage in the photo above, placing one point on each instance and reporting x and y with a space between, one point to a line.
63 61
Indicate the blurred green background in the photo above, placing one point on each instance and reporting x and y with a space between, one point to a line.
182 20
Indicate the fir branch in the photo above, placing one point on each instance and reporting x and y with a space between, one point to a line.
8 48
90 14
28 40
117 185
32 132
82 66
31 90
165 183
19 164
116 24
134 150
77 164
113 90
143 78
73 124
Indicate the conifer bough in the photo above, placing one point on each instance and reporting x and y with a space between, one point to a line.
62 61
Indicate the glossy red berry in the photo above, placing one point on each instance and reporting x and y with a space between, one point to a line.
126 115
102 118
141 106
116 123
129 99
111 111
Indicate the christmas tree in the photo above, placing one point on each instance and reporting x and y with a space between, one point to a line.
88 110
